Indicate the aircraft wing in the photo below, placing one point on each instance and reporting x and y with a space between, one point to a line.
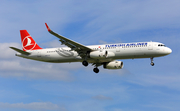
72 44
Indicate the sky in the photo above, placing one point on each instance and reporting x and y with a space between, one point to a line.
27 85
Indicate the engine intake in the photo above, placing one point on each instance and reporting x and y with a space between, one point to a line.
113 65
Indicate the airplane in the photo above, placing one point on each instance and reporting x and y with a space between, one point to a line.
105 55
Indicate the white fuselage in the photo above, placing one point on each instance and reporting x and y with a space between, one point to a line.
120 51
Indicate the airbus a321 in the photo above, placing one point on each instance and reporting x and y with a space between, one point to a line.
97 55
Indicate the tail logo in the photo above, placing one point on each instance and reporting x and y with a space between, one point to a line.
28 43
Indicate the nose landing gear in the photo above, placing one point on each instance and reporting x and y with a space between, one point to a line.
152 63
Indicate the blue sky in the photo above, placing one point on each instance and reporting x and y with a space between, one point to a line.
27 85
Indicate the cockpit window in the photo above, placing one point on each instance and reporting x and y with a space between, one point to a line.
161 45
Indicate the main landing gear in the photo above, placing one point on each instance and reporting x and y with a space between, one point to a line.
152 63
96 70
85 63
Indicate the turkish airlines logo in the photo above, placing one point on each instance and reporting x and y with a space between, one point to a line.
28 43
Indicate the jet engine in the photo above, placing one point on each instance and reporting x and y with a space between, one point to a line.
113 65
101 54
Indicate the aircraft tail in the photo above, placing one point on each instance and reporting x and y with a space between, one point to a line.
28 42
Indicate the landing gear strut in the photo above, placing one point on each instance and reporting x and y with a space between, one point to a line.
96 70
85 63
152 63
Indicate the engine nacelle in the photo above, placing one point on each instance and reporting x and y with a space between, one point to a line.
101 54
113 65
98 54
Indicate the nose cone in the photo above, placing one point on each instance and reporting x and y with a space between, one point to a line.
168 50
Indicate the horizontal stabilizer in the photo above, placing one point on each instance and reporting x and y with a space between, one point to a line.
20 51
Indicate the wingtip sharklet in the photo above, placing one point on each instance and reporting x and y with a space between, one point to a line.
47 27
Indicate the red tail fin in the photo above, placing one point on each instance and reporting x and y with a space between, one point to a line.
28 42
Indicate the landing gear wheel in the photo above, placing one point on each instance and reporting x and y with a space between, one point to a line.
96 70
85 63
152 63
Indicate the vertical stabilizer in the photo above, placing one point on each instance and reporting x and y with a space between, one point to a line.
28 42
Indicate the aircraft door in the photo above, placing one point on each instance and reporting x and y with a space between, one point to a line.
117 49
150 46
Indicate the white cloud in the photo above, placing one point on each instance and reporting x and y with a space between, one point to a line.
116 109
6 52
134 15
102 42
32 106
169 80
102 97
105 19
53 44
13 66
33 70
